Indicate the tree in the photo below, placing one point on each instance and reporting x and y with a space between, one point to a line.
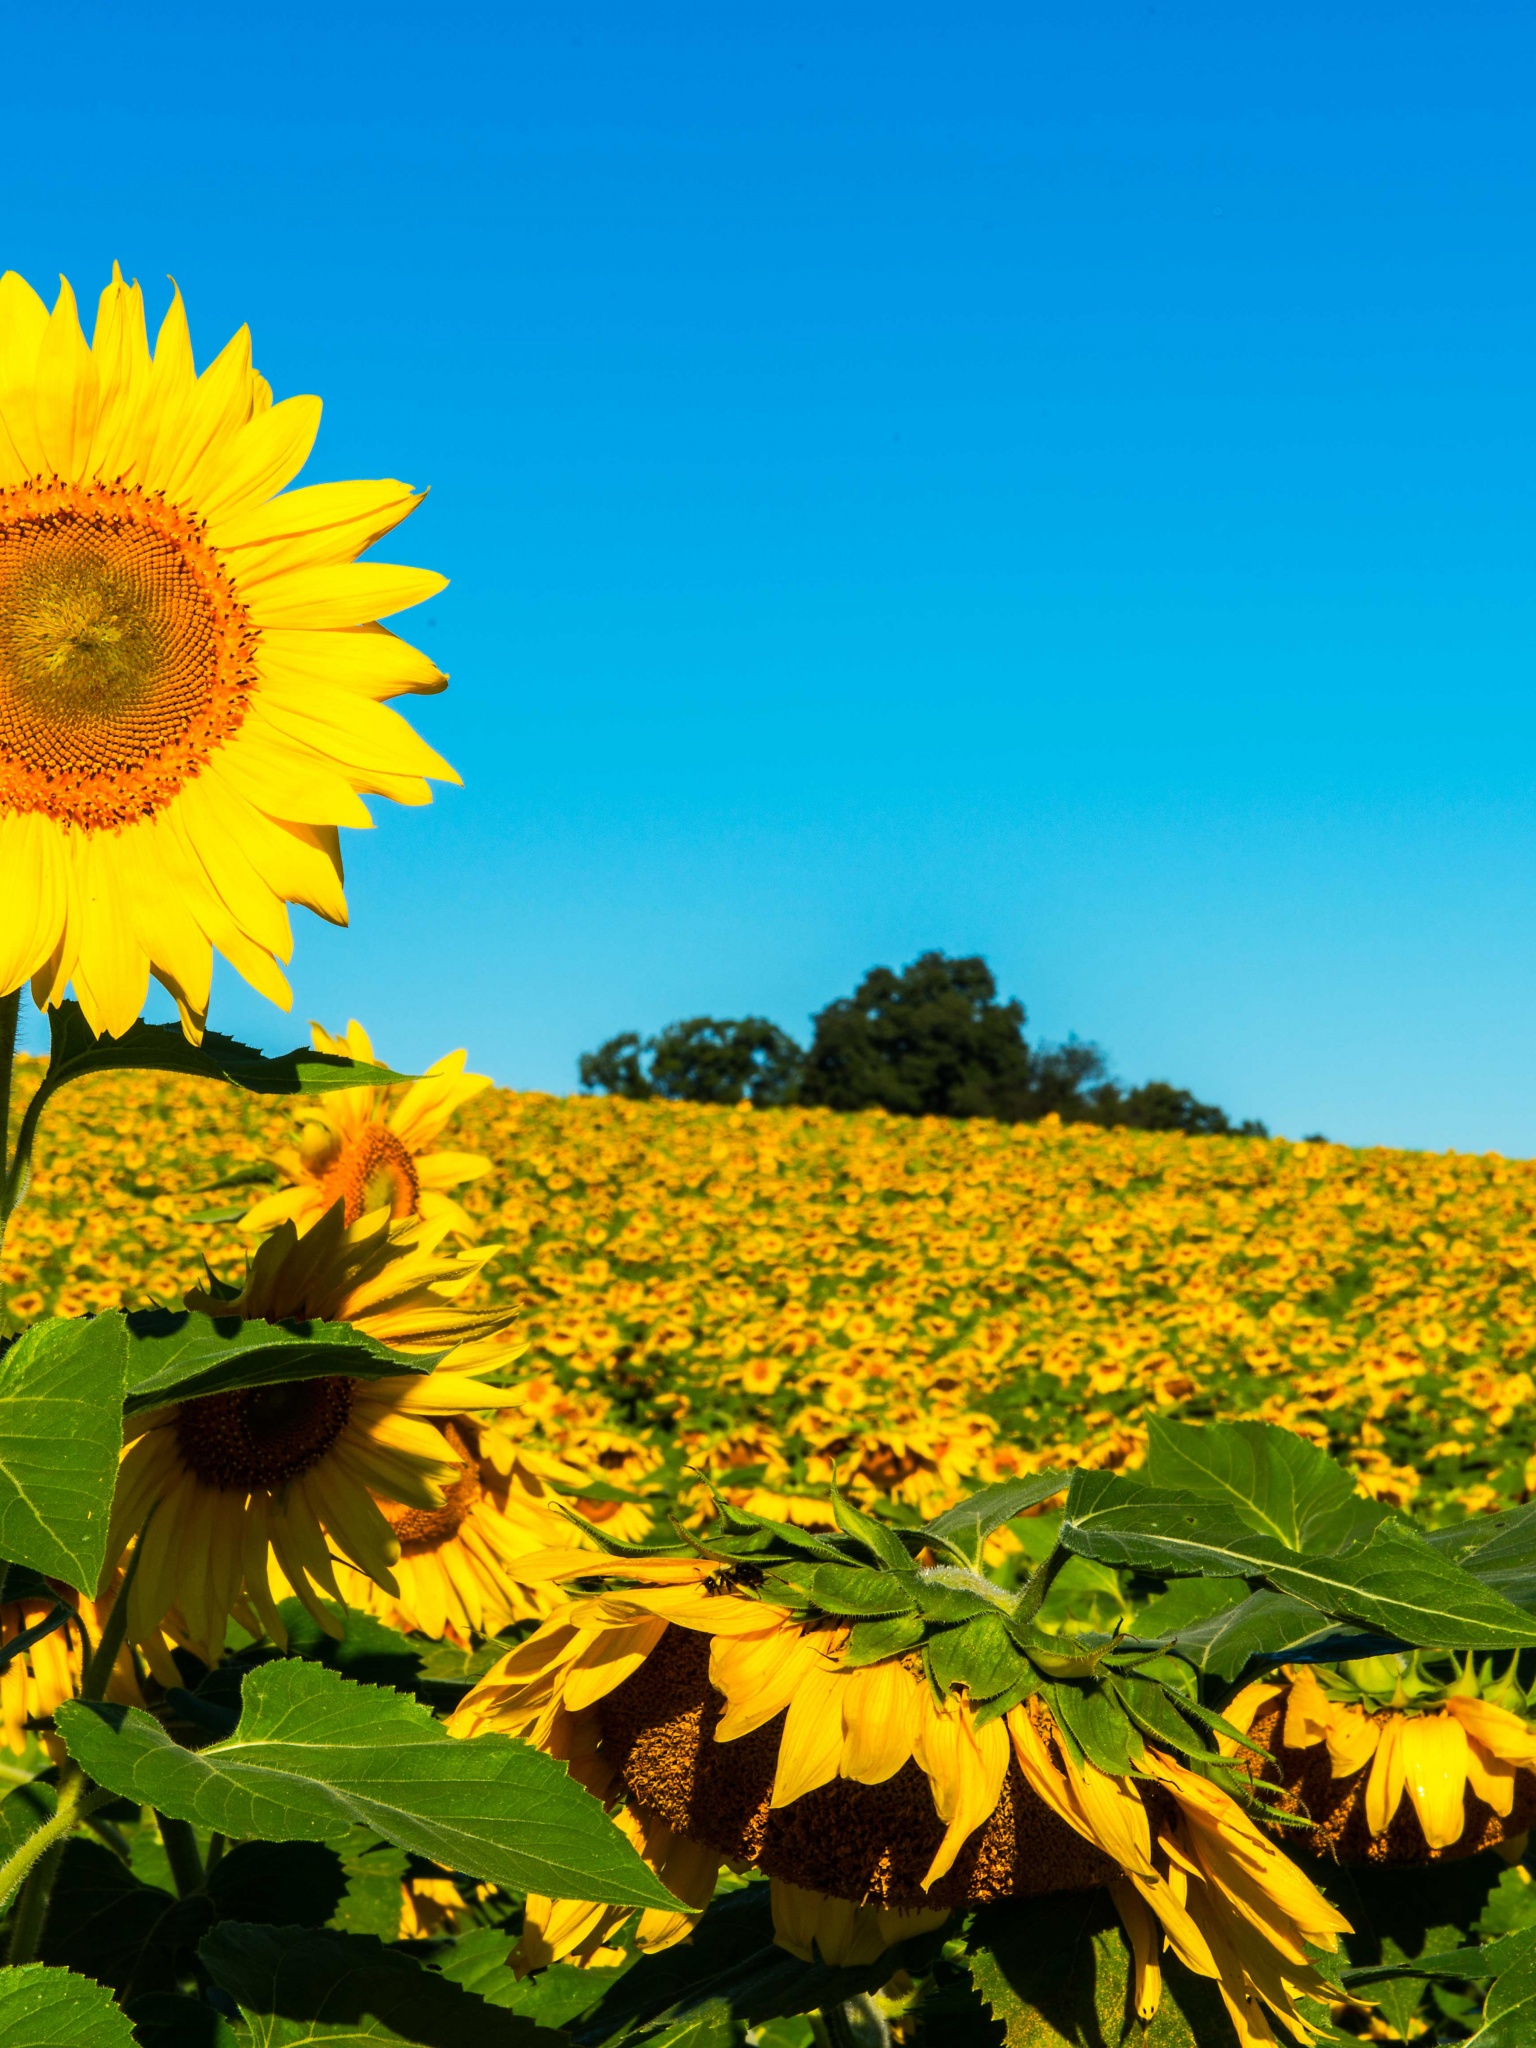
701 1059
930 1041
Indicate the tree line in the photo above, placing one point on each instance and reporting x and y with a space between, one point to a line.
933 1040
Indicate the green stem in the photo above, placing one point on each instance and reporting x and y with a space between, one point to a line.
180 1846
839 2032
77 1799
20 1166
217 1844
98 1673
1032 1599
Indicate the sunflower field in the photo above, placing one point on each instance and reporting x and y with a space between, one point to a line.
521 1573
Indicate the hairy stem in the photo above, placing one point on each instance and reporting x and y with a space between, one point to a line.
180 1846
35 1864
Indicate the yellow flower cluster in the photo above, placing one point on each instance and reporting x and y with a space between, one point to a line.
921 1306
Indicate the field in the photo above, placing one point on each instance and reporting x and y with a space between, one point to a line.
921 1305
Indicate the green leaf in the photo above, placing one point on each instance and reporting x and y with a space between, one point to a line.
181 1355
61 1394
371 1903
164 2019
46 2008
1227 1641
294 1884
1498 1549
1057 1972
553 1996
104 1923
1397 1582
316 1755
294 1985
76 1051
966 1526
1273 1480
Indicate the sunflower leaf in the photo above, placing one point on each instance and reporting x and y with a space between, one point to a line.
1396 1582
297 1984
46 2008
61 1390
316 1755
183 1354
1273 1480
75 1051
965 1527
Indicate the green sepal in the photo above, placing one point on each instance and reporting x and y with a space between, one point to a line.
1100 1726
1156 1715
883 1544
848 1589
1028 1682
752 1535
872 1642
964 1528
980 1655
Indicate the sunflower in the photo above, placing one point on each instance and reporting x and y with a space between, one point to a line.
297 1469
458 1574
717 1702
1399 1759
356 1150
191 668
48 1672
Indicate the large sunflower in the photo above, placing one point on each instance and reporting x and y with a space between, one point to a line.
1399 1759
297 1470
862 1768
191 669
358 1150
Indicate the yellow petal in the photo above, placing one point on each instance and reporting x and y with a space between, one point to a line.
1435 1768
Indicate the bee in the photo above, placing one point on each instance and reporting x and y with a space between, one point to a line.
730 1576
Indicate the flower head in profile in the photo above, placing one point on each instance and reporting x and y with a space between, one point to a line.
192 673
1400 1759
882 1772
357 1149
281 1476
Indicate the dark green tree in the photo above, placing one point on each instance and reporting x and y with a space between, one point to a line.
930 1041
701 1059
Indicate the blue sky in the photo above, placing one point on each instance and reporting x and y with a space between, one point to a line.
1049 481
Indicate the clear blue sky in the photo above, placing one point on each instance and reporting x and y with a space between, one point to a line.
1052 481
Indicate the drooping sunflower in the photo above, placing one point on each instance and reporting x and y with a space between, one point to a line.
884 1771
358 1150
293 1471
192 672
1399 1759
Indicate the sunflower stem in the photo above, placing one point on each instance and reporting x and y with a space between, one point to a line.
35 1864
180 1845
97 1675
1039 1583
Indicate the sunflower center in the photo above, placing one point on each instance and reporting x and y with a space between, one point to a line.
422 1530
372 1171
262 1437
125 657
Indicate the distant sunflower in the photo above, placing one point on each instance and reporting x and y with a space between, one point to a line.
357 1150
295 1470
1396 1761
875 1803
191 668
